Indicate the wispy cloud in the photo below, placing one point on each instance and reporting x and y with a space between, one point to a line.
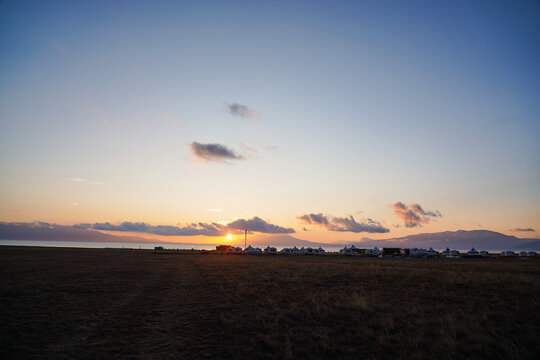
213 152
74 204
97 183
236 109
343 224
523 230
74 179
413 215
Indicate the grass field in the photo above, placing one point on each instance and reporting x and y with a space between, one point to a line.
97 303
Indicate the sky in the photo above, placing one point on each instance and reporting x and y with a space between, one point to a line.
329 121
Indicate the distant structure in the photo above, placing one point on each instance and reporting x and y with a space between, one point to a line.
270 250
245 239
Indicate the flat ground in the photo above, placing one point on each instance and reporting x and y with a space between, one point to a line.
97 303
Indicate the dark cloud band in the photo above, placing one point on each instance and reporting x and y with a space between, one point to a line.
236 109
213 152
343 224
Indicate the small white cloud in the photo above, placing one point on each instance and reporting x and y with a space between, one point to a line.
76 179
74 204
97 183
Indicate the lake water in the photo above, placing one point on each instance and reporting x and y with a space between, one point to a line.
126 245
102 245
168 246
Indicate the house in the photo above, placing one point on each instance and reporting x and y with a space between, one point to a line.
223 248
252 251
523 254
508 253
432 253
270 250
157 248
391 252
347 251
531 253
285 251
353 250
484 253
312 251
473 253
296 251
405 252
234 250
419 253
373 252
450 254
357 251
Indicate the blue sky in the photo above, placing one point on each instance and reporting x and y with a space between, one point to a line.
358 105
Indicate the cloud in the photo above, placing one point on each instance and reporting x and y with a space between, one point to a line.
52 232
418 209
254 224
236 109
76 179
206 229
318 219
74 204
343 224
413 215
97 183
257 224
213 152
522 229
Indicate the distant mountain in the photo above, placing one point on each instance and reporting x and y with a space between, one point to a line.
461 239
529 244
52 232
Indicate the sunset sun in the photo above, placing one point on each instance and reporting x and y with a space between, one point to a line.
228 237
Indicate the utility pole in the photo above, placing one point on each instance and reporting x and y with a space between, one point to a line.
245 239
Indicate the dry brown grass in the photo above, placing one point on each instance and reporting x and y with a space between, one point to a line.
89 304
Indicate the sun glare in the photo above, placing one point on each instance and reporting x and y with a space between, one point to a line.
228 237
